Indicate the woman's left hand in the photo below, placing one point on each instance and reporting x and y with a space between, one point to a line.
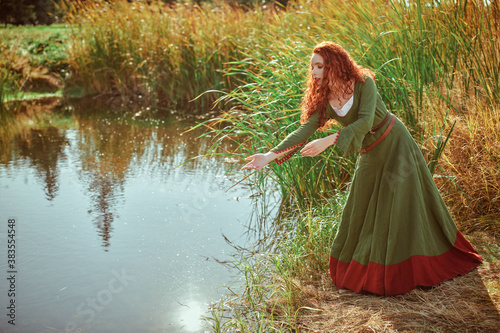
317 146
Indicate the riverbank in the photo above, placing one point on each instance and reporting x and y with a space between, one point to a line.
288 289
34 59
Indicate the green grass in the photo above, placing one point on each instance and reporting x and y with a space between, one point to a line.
43 45
40 32
34 58
32 95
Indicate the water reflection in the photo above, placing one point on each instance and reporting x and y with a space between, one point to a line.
105 152
98 192
106 148
43 148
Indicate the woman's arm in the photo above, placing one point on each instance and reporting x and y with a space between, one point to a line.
295 140
313 148
300 135
258 161
316 147
286 148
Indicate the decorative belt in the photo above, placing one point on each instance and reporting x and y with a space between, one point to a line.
376 128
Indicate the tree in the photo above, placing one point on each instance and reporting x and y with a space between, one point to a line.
16 11
27 11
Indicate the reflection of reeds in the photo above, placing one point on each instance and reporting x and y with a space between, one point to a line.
3 108
5 117
107 148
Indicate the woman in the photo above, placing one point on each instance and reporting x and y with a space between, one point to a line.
396 232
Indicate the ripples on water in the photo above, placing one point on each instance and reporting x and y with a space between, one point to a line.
112 234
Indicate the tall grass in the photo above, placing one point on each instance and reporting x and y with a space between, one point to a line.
174 53
162 53
470 168
424 56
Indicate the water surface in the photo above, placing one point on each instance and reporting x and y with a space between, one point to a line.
113 232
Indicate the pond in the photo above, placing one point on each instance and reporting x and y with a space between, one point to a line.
117 226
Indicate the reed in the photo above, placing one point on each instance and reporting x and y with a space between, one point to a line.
418 75
174 53
470 181
158 52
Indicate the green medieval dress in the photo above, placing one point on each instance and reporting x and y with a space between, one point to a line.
396 232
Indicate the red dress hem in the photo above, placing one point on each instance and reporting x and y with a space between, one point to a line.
418 270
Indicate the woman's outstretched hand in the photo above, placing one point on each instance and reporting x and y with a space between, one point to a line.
257 161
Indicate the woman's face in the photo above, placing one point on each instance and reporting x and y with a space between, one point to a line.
317 66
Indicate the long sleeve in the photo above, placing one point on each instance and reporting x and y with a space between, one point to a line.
351 136
297 138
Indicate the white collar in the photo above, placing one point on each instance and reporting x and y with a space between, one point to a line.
345 108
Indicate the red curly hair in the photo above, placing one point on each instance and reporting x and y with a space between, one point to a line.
338 74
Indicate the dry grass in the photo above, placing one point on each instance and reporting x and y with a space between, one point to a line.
290 290
472 159
28 76
171 53
468 171
469 303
